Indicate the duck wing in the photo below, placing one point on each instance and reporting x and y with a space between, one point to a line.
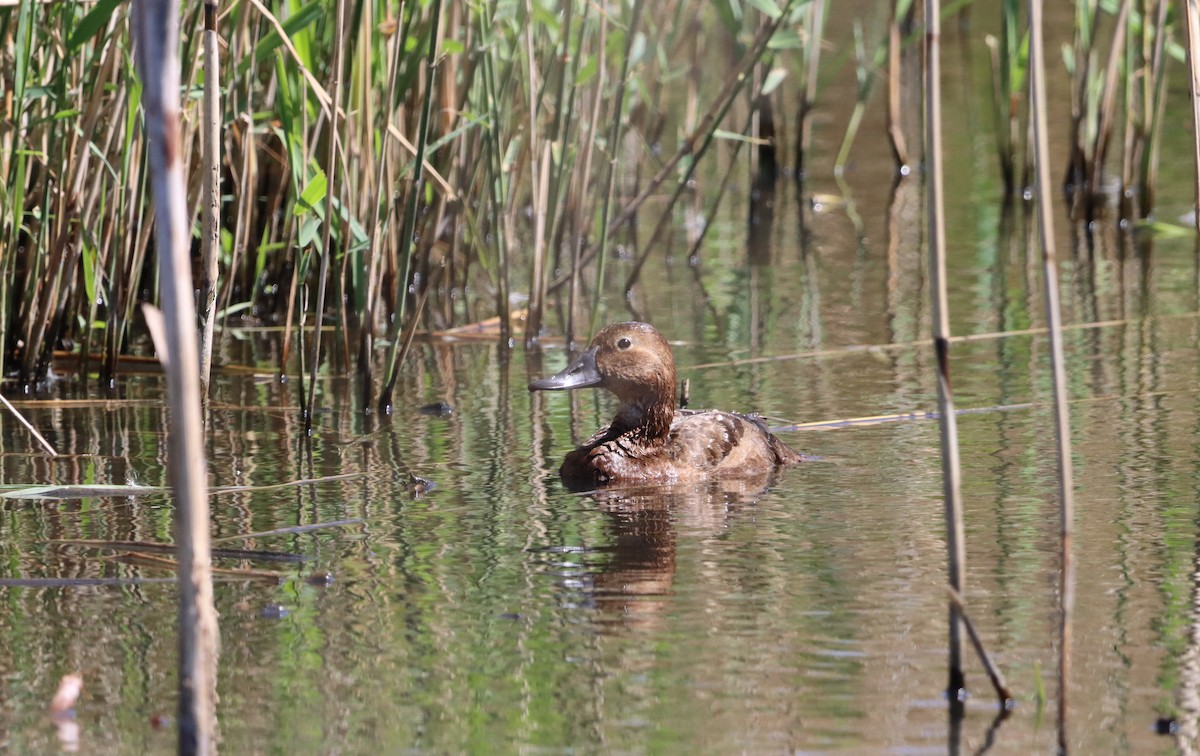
726 442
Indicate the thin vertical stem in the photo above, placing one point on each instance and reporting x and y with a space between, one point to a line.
1192 11
375 230
539 180
407 247
1037 93
331 174
613 149
951 488
210 239
156 29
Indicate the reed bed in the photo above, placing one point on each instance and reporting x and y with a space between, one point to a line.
479 153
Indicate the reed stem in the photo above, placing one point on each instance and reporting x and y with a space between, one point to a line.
210 237
1062 428
331 178
156 27
951 486
407 244
1191 11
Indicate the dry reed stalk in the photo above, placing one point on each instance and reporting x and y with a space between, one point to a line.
539 178
584 182
1192 16
156 31
331 178
993 672
210 237
494 178
537 283
243 178
1066 593
29 427
375 230
951 488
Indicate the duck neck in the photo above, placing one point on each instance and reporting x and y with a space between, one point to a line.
649 417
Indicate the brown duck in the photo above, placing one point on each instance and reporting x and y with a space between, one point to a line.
650 441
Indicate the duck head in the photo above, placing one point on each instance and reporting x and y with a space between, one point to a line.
633 361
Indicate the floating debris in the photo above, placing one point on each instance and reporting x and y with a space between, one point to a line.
436 409
320 579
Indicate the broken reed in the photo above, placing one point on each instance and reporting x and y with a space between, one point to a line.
530 128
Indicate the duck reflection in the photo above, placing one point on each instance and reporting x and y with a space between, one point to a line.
633 588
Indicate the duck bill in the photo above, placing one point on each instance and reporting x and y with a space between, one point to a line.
579 374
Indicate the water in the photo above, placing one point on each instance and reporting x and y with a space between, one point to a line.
500 612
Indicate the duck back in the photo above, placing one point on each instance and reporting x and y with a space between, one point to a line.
699 444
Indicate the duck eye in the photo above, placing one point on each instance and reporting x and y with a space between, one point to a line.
624 343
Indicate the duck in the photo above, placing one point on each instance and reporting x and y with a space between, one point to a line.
651 441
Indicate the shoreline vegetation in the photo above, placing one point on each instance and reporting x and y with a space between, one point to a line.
486 157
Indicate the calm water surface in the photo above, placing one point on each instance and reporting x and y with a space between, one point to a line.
500 612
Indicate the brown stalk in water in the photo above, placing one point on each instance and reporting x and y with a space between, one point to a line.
583 184
936 229
612 147
156 30
1066 592
1154 82
1106 111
